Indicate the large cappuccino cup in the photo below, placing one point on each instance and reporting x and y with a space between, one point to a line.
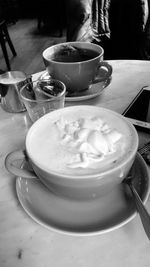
77 64
79 152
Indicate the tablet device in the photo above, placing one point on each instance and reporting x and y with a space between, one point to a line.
138 112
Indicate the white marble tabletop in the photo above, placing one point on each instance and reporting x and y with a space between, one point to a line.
25 243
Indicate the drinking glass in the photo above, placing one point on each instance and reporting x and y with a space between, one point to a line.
41 97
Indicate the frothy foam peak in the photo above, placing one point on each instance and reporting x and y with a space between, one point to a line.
89 140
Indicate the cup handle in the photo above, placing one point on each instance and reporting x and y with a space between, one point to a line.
13 163
103 73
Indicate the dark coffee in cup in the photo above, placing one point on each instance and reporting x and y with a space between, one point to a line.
69 53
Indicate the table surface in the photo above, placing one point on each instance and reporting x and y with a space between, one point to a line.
25 243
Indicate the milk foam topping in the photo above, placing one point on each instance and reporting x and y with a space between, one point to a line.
88 141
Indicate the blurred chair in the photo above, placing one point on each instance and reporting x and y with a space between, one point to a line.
5 38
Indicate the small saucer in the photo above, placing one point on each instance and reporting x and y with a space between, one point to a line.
77 217
91 92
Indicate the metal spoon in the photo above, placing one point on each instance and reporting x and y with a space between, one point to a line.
144 215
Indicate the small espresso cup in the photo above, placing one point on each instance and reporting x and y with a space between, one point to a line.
77 64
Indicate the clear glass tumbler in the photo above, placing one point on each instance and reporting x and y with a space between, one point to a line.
41 97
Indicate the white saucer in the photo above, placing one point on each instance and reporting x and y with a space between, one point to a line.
91 92
83 217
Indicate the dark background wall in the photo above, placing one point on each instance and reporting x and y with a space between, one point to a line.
50 12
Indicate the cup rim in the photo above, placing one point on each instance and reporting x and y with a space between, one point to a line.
44 53
10 74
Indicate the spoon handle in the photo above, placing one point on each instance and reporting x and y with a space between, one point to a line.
144 215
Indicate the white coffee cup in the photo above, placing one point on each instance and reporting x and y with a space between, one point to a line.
46 146
77 76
